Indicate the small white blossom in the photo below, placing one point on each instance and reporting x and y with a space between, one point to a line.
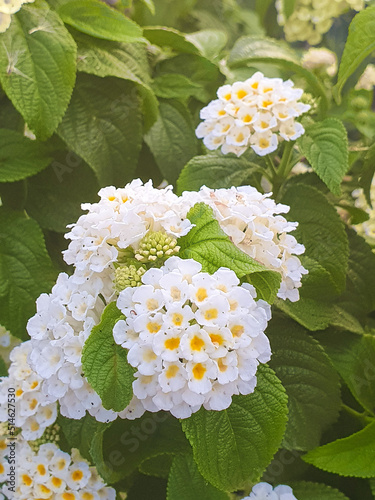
264 491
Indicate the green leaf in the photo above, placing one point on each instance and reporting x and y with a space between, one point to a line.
163 36
234 446
103 126
105 363
255 49
172 140
119 450
3 368
208 244
310 381
158 466
306 490
98 20
209 42
20 157
176 86
288 7
55 195
123 60
367 174
351 456
25 270
186 483
322 232
38 66
79 433
354 358
213 171
325 146
359 44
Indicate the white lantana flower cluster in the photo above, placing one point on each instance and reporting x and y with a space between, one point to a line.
52 474
311 19
264 491
113 237
7 8
367 228
257 113
321 59
367 79
254 223
195 339
33 410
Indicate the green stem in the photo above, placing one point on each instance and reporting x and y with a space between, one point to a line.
365 419
271 166
285 165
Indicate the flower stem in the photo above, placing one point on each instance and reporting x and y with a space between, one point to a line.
363 417
286 165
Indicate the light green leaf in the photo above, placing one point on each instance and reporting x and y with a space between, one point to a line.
288 7
255 49
213 171
25 270
20 157
354 358
208 244
163 36
123 60
103 126
325 145
105 363
97 19
310 381
172 140
233 447
186 483
176 86
306 490
209 42
351 456
55 195
359 44
38 67
322 232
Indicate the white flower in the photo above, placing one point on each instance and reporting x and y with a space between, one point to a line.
264 491
8 7
251 113
322 59
367 79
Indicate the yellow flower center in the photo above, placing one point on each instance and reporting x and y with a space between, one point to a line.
198 371
172 343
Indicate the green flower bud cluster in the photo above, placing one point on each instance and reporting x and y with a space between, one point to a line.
156 245
126 276
50 435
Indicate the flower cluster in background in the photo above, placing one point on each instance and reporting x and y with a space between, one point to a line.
367 79
257 113
321 60
7 343
367 228
195 339
49 473
7 8
33 410
264 491
310 19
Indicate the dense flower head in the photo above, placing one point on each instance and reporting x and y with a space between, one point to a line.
264 491
310 19
52 474
366 228
258 113
7 8
195 339
322 60
110 249
33 410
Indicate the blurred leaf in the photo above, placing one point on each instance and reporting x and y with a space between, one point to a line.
209 42
163 36
176 86
305 490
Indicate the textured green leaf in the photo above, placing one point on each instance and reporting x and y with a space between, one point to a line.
186 483
172 140
164 36
79 433
120 449
325 146
38 66
97 19
208 244
123 60
20 157
305 490
25 270
234 446
176 86
213 171
105 363
351 456
322 232
255 49
158 466
354 358
359 44
103 126
55 195
209 42
310 381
